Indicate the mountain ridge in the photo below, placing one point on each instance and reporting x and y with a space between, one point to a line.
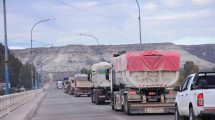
68 60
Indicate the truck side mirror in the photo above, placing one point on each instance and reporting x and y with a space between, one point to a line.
176 88
107 74
89 76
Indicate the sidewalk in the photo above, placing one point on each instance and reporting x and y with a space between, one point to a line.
26 111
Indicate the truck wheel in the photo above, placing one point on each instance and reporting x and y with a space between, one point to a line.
122 106
126 105
70 93
112 106
76 94
192 115
97 102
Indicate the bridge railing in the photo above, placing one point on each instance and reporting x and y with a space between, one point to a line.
8 103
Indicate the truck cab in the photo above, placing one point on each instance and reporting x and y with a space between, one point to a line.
196 98
80 85
100 78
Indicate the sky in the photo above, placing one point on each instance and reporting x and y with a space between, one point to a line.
112 22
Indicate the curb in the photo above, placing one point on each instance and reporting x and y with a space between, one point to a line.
32 112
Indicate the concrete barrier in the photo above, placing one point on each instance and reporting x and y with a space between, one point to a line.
20 106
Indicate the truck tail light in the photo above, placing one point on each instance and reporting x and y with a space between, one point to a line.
200 99
132 92
151 93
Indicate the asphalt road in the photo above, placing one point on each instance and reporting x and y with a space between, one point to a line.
60 106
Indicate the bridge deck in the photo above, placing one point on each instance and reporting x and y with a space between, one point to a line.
60 106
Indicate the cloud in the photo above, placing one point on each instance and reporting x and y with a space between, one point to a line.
181 15
15 47
112 22
202 2
195 40
150 6
173 3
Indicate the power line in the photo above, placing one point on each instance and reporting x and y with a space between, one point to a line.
91 13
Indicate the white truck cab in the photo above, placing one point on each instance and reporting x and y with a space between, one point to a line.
196 98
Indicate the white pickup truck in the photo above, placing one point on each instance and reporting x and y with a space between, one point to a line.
196 98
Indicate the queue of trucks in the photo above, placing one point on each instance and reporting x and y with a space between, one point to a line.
134 82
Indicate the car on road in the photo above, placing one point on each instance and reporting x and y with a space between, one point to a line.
196 98
59 84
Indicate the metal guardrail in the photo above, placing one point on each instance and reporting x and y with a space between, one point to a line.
8 103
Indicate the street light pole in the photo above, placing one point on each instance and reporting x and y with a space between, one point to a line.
93 38
6 49
37 80
32 77
139 17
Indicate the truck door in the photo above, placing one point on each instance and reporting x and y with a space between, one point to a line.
184 97
209 90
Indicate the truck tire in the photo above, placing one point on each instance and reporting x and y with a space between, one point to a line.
112 106
72 92
177 114
126 105
122 106
92 97
76 94
192 115
97 102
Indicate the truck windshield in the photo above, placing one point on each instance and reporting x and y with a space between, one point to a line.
208 79
101 71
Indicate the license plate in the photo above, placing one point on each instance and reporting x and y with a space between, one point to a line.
154 110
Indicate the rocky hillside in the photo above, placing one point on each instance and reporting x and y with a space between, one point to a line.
67 60
206 51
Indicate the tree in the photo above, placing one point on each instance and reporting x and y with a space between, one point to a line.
189 68
17 71
85 71
14 66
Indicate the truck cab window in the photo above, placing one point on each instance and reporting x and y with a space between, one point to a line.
186 83
107 73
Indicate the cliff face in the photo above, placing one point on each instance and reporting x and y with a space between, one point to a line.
67 60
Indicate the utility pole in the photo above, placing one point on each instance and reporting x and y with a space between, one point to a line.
6 49
139 17
32 74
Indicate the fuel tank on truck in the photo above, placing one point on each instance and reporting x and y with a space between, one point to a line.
151 68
